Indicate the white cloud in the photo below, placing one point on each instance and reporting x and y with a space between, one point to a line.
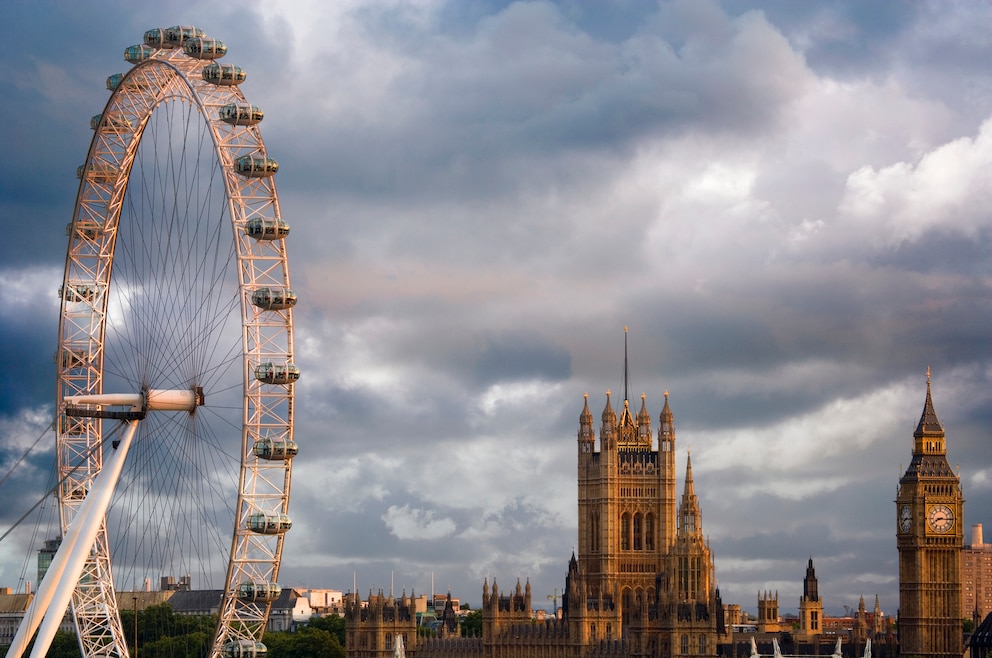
417 523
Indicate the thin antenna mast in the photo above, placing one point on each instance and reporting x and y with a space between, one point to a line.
626 372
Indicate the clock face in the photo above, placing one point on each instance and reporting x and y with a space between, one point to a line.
905 518
940 518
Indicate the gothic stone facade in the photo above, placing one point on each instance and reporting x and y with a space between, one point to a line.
642 585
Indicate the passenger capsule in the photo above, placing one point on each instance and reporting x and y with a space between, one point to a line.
114 121
266 229
263 591
244 649
138 53
81 292
171 37
273 299
224 75
114 81
100 172
271 373
154 38
255 166
275 449
269 523
178 34
204 48
241 114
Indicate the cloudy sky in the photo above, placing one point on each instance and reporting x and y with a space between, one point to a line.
787 203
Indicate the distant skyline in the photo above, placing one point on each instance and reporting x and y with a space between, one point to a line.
787 203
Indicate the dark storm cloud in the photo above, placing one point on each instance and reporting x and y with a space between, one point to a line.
784 201
515 356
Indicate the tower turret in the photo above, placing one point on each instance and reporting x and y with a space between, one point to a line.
810 605
930 539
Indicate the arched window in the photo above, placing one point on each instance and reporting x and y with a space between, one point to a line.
594 540
649 532
592 632
625 532
702 645
638 531
684 645
389 641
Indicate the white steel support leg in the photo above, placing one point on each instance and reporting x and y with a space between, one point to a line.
56 589
46 588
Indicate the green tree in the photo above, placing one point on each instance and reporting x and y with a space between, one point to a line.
332 624
307 642
472 624
64 645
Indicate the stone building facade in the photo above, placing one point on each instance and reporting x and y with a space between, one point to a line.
642 584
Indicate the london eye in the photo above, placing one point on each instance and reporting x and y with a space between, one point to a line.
175 359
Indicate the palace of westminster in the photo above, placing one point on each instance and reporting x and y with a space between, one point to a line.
642 583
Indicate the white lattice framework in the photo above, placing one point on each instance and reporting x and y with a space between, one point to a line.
168 75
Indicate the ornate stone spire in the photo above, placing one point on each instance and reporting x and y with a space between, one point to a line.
690 521
809 583
667 422
928 425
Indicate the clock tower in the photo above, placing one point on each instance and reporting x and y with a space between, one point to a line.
930 538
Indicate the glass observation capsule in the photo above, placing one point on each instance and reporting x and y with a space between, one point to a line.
275 449
244 649
204 48
171 37
266 229
273 299
115 80
262 591
138 53
256 166
272 373
269 523
223 74
241 114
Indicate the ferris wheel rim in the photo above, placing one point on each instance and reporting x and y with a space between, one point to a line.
267 328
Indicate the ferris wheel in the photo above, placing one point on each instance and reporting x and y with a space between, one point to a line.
176 352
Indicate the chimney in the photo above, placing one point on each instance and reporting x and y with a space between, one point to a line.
976 536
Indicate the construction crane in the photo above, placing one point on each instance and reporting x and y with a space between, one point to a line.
554 597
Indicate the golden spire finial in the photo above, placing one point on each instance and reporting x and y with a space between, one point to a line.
928 374
625 328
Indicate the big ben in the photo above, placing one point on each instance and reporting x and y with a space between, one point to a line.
930 538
